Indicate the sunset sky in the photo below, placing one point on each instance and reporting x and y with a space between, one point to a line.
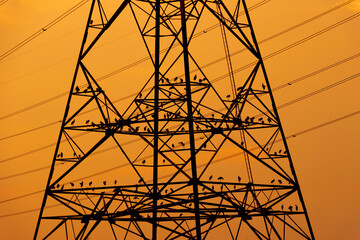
318 104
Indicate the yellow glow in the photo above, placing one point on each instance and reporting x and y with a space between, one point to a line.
355 5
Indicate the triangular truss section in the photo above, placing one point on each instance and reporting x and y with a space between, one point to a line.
188 158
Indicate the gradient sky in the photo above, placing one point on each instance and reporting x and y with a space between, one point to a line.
326 159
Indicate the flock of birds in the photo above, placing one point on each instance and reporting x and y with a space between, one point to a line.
171 190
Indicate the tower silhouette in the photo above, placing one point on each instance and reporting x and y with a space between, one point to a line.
192 157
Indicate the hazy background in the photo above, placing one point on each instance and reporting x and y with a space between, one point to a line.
326 157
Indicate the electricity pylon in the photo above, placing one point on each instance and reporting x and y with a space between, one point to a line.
193 161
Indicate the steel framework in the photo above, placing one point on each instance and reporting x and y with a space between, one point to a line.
204 166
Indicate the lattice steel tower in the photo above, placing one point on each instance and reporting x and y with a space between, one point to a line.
194 155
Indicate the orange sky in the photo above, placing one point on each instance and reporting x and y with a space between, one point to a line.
326 159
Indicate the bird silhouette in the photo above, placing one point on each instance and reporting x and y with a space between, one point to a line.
220 178
282 207
143 161
210 177
77 89
72 122
280 181
81 183
263 86
90 183
291 208
272 181
182 144
296 207
227 96
115 182
104 182
71 184
239 178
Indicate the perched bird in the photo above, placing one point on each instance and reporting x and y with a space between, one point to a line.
296 207
280 181
104 182
239 178
272 181
210 177
220 178
115 182
72 122
263 86
282 207
291 208
81 183
195 77
143 161
71 184
90 183
77 89
87 121
227 96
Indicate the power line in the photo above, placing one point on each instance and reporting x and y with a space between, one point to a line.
328 67
37 149
287 137
221 59
42 30
132 141
3 2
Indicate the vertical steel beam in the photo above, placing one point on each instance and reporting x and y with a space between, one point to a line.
194 180
47 189
156 119
297 186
